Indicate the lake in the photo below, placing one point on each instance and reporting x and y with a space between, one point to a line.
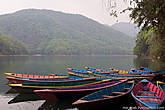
56 64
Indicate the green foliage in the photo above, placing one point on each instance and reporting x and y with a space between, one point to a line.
11 46
143 42
51 32
148 43
150 14
157 48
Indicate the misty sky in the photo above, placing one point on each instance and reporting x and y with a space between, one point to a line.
94 9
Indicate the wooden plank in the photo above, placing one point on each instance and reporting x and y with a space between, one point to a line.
79 102
107 96
128 82
118 92
146 92
153 97
126 88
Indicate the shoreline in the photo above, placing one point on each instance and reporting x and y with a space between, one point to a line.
69 55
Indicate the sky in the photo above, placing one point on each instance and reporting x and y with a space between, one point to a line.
94 9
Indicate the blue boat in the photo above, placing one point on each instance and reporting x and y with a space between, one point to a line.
107 97
143 71
85 73
103 71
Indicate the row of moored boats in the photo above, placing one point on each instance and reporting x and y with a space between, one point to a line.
92 88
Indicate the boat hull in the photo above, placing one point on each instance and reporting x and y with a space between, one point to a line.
147 95
107 97
20 88
19 75
13 80
116 103
100 75
76 92
74 95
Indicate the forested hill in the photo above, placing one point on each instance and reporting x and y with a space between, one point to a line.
11 46
127 28
51 32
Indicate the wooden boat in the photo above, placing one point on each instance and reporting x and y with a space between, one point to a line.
122 71
56 84
93 70
110 76
87 75
75 92
29 87
147 95
130 76
14 80
142 71
161 85
105 97
77 70
111 70
19 75
100 70
146 70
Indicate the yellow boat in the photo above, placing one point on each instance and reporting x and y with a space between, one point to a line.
19 75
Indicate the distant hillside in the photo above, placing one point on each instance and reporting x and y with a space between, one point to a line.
127 28
51 32
11 46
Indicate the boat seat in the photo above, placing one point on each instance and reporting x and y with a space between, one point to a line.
126 88
151 103
107 96
148 97
145 92
145 88
118 92
129 82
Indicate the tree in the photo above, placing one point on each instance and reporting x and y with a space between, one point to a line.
149 14
144 43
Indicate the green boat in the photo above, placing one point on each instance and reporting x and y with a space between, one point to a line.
26 88
59 84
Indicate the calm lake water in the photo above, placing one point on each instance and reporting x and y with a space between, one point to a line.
56 64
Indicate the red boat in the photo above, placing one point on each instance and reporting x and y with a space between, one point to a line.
75 93
147 95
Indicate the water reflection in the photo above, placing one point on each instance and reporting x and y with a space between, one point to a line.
64 104
47 105
60 105
148 63
24 98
